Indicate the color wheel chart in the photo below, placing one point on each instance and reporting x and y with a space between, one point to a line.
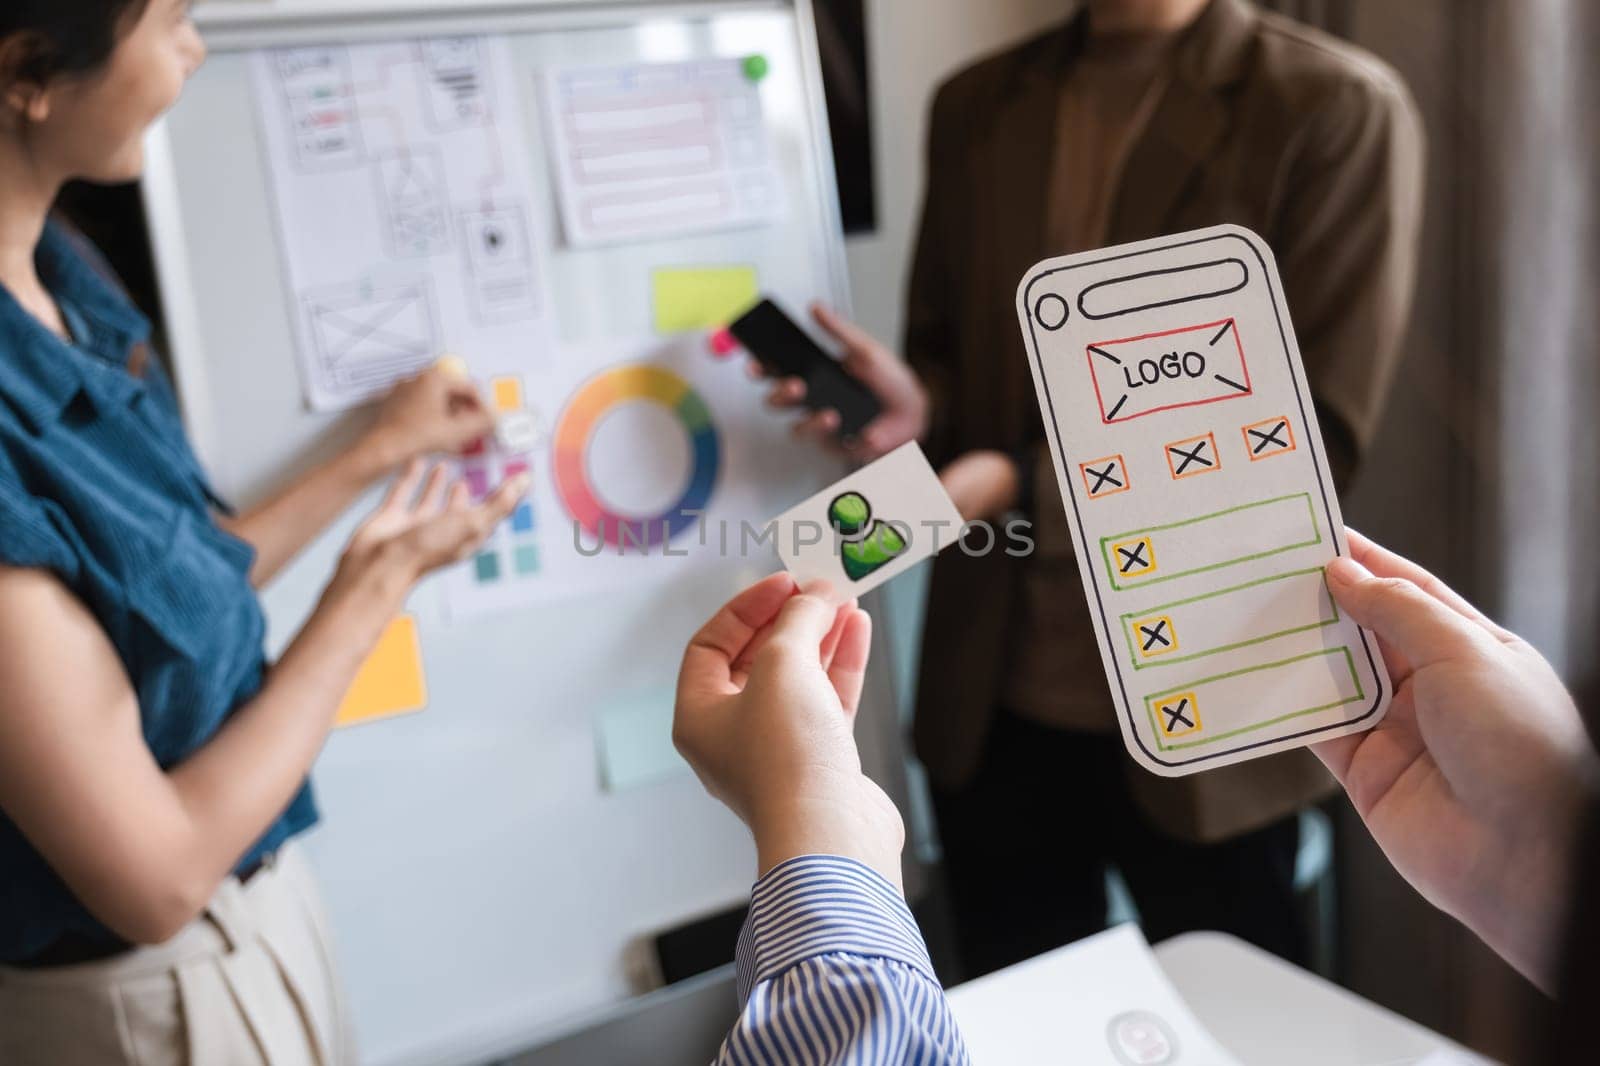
593 401
513 551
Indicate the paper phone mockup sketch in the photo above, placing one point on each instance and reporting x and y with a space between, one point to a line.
1199 496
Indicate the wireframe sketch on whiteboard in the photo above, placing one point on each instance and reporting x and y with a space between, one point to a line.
499 253
401 174
659 149
458 91
416 216
365 334
316 86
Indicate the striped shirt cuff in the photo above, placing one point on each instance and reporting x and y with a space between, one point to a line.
823 905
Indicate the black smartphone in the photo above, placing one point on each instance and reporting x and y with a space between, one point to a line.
785 350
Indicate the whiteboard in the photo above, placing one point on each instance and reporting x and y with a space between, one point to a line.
485 888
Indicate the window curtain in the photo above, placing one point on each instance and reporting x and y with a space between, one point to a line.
1487 467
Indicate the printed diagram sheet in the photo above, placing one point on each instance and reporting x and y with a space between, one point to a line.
401 176
1188 457
656 150
650 458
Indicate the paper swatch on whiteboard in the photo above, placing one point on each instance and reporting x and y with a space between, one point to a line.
1195 482
400 176
648 459
870 527
651 150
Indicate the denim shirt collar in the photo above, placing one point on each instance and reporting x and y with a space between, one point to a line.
42 373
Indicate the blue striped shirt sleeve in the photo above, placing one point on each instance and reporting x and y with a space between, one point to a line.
832 969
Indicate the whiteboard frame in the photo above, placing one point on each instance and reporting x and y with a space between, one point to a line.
250 24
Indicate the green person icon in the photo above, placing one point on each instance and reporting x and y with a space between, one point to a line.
868 545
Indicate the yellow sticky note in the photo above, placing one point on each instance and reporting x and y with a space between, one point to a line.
390 681
691 298
507 394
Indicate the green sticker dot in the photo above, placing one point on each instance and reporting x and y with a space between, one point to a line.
756 67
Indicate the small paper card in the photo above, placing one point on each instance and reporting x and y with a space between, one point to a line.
870 527
1189 460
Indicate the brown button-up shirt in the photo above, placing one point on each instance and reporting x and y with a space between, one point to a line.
1106 98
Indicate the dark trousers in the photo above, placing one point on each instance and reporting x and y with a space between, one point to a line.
1027 843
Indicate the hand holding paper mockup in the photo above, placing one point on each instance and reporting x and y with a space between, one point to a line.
1195 482
870 527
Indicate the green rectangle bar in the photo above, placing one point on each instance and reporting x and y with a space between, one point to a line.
1132 534
1128 620
1155 727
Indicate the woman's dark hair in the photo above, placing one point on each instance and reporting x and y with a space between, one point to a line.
61 37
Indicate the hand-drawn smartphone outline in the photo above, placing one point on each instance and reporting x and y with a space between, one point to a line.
1110 622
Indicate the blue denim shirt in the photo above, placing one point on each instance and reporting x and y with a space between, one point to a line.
99 486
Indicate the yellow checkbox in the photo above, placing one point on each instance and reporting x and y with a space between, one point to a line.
1178 715
1133 558
1155 636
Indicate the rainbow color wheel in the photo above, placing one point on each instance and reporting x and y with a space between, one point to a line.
583 416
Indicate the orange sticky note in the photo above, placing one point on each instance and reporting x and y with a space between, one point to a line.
391 681
507 394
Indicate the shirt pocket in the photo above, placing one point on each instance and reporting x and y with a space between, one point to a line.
197 633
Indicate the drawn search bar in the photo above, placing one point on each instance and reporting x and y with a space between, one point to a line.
1163 288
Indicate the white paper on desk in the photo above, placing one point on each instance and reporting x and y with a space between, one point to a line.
1103 1001
650 150
870 527
1196 484
1454 1057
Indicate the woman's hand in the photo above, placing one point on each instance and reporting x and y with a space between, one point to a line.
438 412
1477 781
413 533
983 484
896 386
767 697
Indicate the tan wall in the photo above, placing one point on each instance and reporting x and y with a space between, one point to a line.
913 45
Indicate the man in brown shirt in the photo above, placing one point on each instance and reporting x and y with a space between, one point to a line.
1134 119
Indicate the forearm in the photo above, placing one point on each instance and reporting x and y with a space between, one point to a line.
231 789
852 818
282 526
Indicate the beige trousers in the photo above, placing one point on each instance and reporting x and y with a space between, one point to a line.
251 982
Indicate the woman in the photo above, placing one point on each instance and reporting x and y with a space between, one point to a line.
152 765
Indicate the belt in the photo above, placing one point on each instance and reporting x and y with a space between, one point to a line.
73 949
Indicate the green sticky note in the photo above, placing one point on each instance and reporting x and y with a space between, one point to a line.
633 739
756 67
694 298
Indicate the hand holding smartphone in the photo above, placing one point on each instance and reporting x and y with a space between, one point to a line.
783 349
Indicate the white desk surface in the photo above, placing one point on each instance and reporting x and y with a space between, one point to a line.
1270 1013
